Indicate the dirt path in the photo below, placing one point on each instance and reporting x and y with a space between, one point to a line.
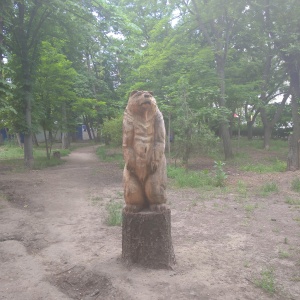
55 244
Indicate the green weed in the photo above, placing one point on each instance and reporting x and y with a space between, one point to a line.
220 175
184 178
283 254
109 154
250 207
269 188
114 210
275 166
266 281
296 185
292 201
242 189
43 162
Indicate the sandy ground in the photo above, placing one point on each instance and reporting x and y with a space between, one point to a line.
55 243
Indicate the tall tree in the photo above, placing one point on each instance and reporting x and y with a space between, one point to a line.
27 19
287 42
218 21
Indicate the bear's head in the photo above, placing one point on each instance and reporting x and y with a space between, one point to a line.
141 103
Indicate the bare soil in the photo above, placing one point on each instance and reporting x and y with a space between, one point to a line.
55 242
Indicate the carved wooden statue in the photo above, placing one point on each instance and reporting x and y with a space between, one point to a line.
144 176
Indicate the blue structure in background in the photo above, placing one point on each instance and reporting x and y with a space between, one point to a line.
3 132
79 131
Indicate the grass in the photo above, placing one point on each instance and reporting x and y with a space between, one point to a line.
242 189
12 157
266 281
193 179
269 188
109 154
114 210
292 201
276 165
198 179
296 185
250 207
279 146
283 254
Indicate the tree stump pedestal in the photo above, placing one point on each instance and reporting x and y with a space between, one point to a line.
146 239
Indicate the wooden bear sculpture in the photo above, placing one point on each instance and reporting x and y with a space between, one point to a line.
144 175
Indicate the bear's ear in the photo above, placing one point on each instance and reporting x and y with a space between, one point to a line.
132 93
151 93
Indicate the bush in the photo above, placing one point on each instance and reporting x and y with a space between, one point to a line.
112 131
114 217
184 178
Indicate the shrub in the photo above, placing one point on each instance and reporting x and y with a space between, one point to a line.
112 131
296 185
114 217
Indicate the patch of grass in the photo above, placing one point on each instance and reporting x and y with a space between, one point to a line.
266 281
9 151
296 185
297 219
12 156
250 207
109 154
220 175
296 279
275 166
269 188
283 254
43 162
184 178
96 200
242 189
292 201
114 210
193 179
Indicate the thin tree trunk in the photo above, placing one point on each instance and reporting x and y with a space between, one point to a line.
65 140
46 144
28 144
293 156
250 130
224 126
19 140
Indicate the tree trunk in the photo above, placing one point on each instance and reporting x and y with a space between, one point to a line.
28 144
293 156
267 128
35 141
65 140
250 130
267 137
146 239
86 123
224 126
19 140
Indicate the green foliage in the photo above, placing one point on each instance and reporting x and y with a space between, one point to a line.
109 154
12 156
292 201
220 174
43 162
269 188
276 166
112 131
266 281
184 178
114 210
296 185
